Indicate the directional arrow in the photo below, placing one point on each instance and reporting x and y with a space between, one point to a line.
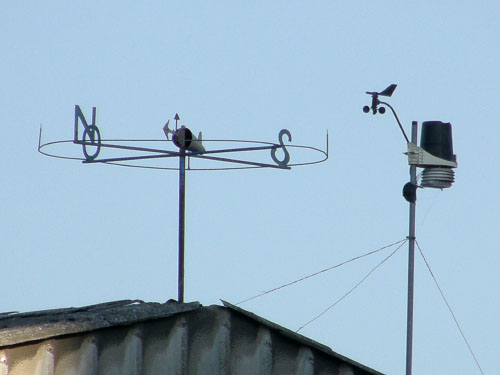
176 118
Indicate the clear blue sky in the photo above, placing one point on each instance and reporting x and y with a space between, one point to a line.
75 234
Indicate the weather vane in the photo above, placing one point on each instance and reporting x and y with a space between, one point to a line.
189 146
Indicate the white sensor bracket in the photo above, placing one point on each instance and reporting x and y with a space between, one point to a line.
421 158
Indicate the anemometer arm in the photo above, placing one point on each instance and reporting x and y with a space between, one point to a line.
397 119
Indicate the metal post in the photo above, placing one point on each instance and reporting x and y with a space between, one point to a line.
182 206
411 262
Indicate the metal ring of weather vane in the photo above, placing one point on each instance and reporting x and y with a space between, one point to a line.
182 137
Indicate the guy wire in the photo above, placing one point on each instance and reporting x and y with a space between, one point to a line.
317 273
354 287
449 309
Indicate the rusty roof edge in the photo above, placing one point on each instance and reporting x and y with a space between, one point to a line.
33 326
65 310
298 337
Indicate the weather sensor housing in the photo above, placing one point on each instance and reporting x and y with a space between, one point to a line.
435 155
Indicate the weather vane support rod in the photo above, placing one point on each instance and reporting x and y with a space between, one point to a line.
182 211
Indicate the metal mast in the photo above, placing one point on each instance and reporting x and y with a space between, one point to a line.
411 261
436 156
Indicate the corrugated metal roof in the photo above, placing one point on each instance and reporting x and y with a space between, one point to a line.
16 328
297 337
134 337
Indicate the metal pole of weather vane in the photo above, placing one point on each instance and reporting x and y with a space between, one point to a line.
185 140
182 210
181 138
